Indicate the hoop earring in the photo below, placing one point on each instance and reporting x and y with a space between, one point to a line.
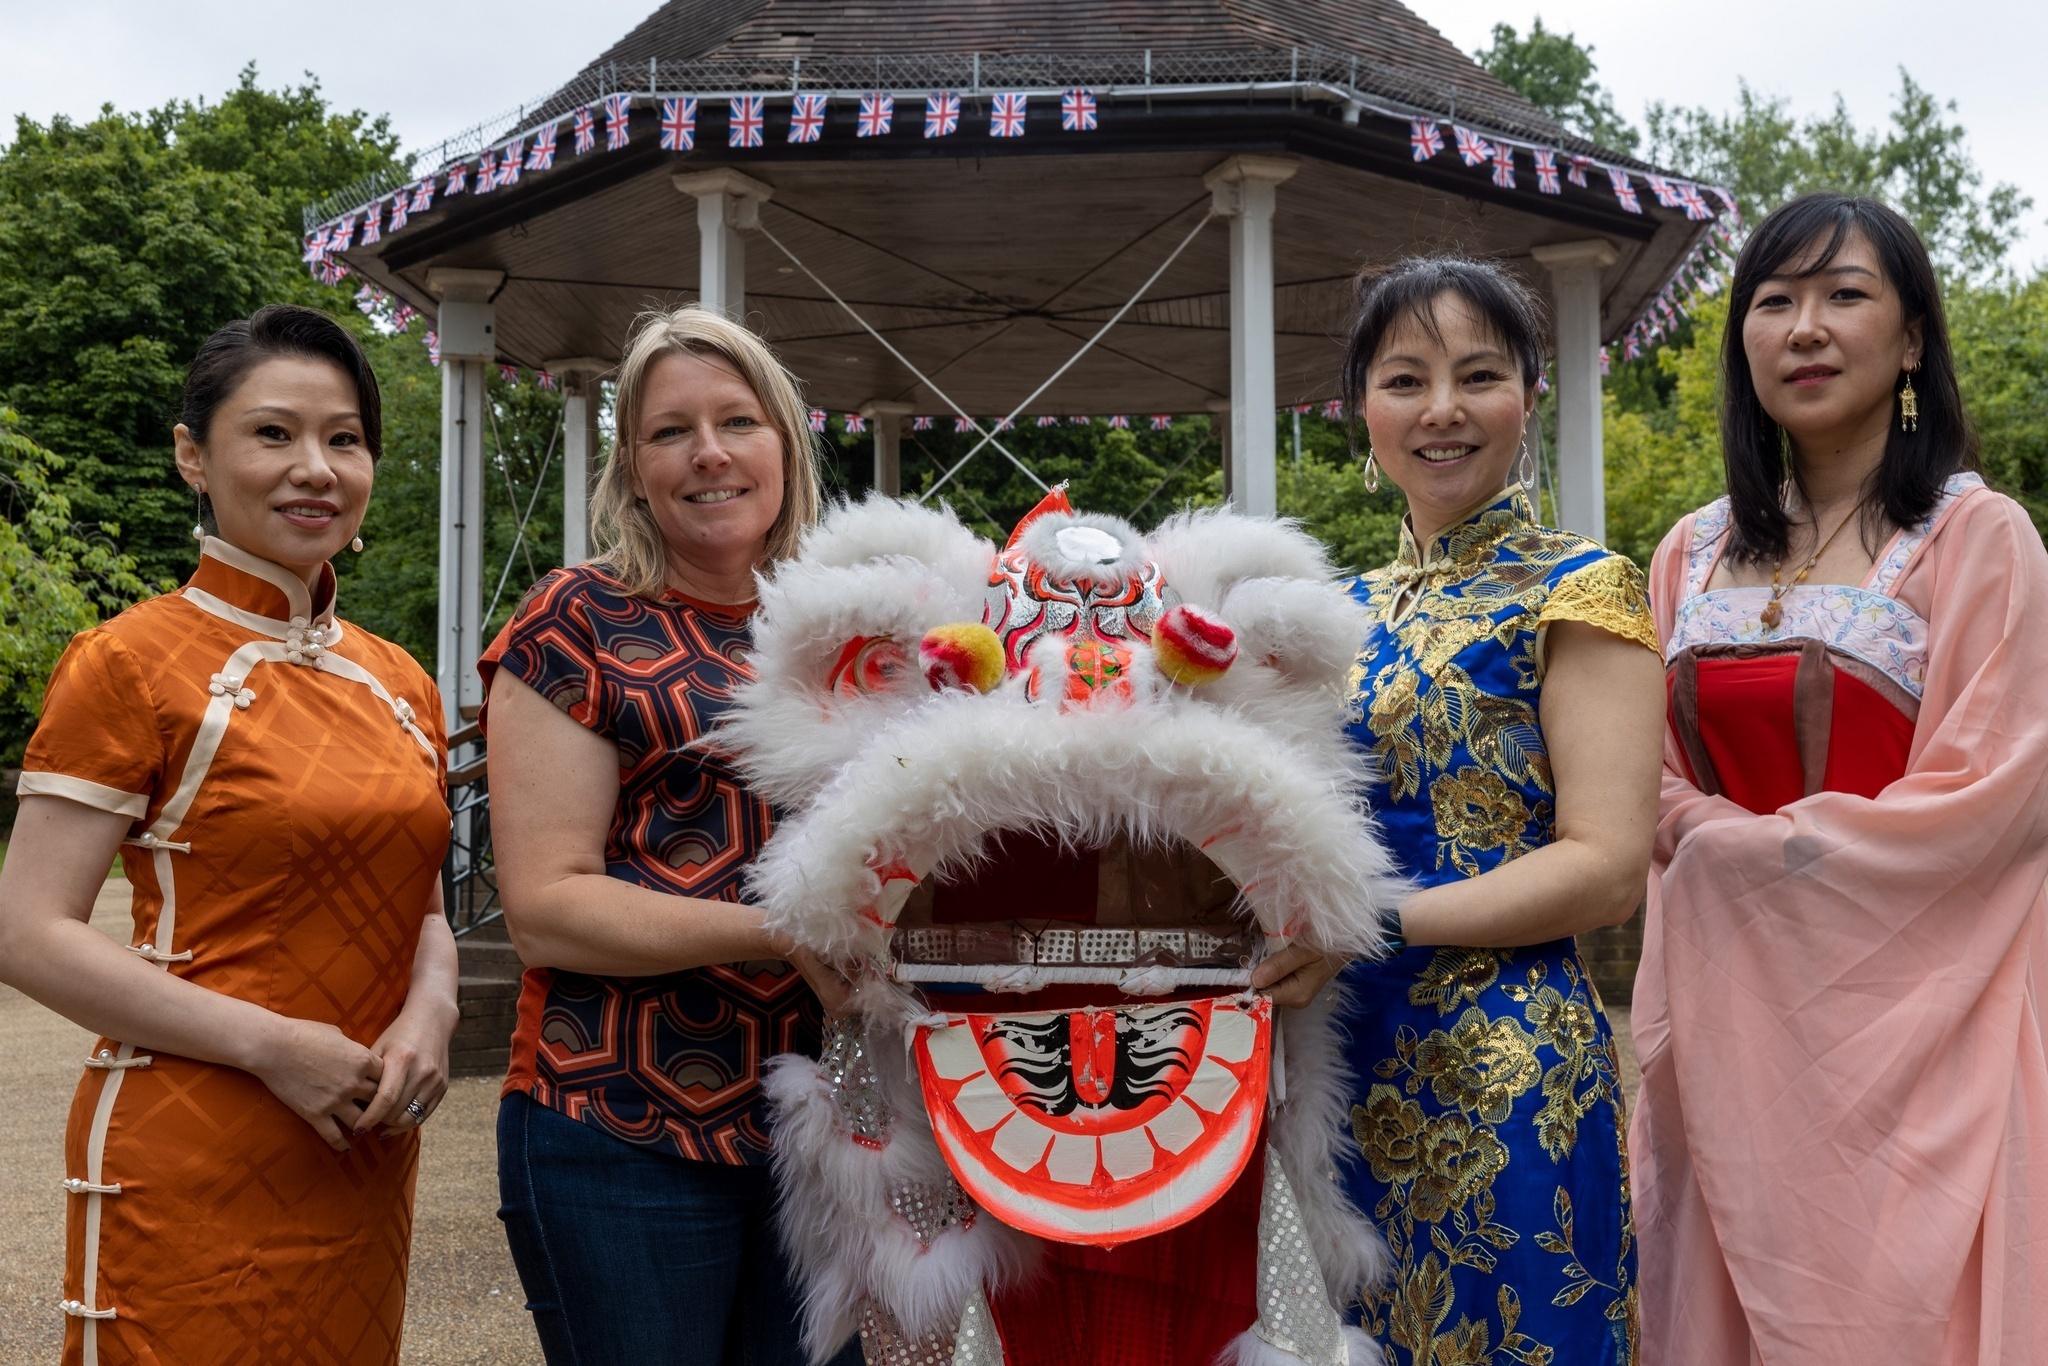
1909 406
1525 468
1372 471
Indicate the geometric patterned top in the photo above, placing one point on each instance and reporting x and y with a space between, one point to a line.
674 1061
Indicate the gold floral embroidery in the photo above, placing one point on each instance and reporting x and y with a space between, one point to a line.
1608 593
1455 977
1477 812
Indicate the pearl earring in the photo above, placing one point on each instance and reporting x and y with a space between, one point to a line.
356 544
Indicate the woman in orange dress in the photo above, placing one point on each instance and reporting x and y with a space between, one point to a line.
240 1156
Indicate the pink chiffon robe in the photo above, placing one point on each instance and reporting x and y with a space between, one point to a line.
1841 1141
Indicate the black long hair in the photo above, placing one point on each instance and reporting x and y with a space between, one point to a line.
1410 287
1909 478
225 359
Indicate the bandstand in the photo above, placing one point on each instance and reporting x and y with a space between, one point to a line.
985 211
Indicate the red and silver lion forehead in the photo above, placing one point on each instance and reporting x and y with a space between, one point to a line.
1066 574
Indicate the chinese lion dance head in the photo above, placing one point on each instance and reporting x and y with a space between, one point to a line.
1047 805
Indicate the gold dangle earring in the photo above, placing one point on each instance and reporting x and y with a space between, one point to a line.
1909 405
1372 471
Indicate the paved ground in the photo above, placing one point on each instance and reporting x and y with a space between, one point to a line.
464 1306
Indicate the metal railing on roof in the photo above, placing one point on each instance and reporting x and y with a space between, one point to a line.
1165 73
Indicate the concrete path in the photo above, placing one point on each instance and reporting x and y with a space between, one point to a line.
464 1306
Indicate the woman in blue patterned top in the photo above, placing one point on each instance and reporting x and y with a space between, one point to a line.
1509 691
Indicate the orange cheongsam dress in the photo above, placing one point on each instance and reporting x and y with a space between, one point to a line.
284 774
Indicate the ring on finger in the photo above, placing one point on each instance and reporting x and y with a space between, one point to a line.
416 1110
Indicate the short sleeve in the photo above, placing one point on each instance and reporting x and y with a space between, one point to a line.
1607 593
550 647
98 741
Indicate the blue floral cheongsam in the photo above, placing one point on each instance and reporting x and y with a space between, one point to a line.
1488 1118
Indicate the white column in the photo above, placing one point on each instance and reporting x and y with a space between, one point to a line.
1243 190
582 394
1581 491
885 420
467 328
1219 408
728 205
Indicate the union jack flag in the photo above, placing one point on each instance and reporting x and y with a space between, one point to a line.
877 113
806 118
745 119
344 233
1077 111
1543 383
1006 116
333 272
400 210
433 347
542 157
921 424
1606 361
1161 421
1546 170
1005 425
1503 166
1475 150
856 424
1424 138
941 114
546 381
458 179
367 299
678 124
1120 422
1577 174
423 195
509 373
963 424
316 248
586 130
1047 420
401 320
618 121
1662 188
817 419
1695 207
1334 409
1303 409
511 161
1728 203
1624 193
487 173
1077 420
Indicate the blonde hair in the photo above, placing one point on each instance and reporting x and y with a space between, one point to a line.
629 543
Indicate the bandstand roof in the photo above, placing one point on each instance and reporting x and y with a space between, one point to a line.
988 261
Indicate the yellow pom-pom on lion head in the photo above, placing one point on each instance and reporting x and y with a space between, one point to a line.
962 654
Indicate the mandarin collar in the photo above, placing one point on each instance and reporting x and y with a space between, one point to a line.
1478 529
234 584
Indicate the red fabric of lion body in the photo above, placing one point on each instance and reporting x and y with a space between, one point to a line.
1174 1299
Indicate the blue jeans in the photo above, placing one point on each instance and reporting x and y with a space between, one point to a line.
631 1255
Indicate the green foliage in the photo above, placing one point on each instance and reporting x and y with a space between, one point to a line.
1554 72
124 242
1664 459
1919 164
2000 334
57 577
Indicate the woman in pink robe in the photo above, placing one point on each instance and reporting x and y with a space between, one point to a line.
1841 1140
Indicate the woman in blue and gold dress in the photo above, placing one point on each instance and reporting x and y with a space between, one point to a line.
1509 692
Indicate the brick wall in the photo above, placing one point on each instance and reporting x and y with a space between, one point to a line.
1612 955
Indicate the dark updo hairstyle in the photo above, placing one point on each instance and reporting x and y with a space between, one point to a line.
1410 287
225 359
1810 232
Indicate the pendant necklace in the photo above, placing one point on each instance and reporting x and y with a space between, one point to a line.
1774 611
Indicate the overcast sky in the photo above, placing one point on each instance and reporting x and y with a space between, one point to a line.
440 66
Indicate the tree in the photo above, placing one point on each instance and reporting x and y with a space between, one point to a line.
1919 164
1554 72
57 578
124 241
